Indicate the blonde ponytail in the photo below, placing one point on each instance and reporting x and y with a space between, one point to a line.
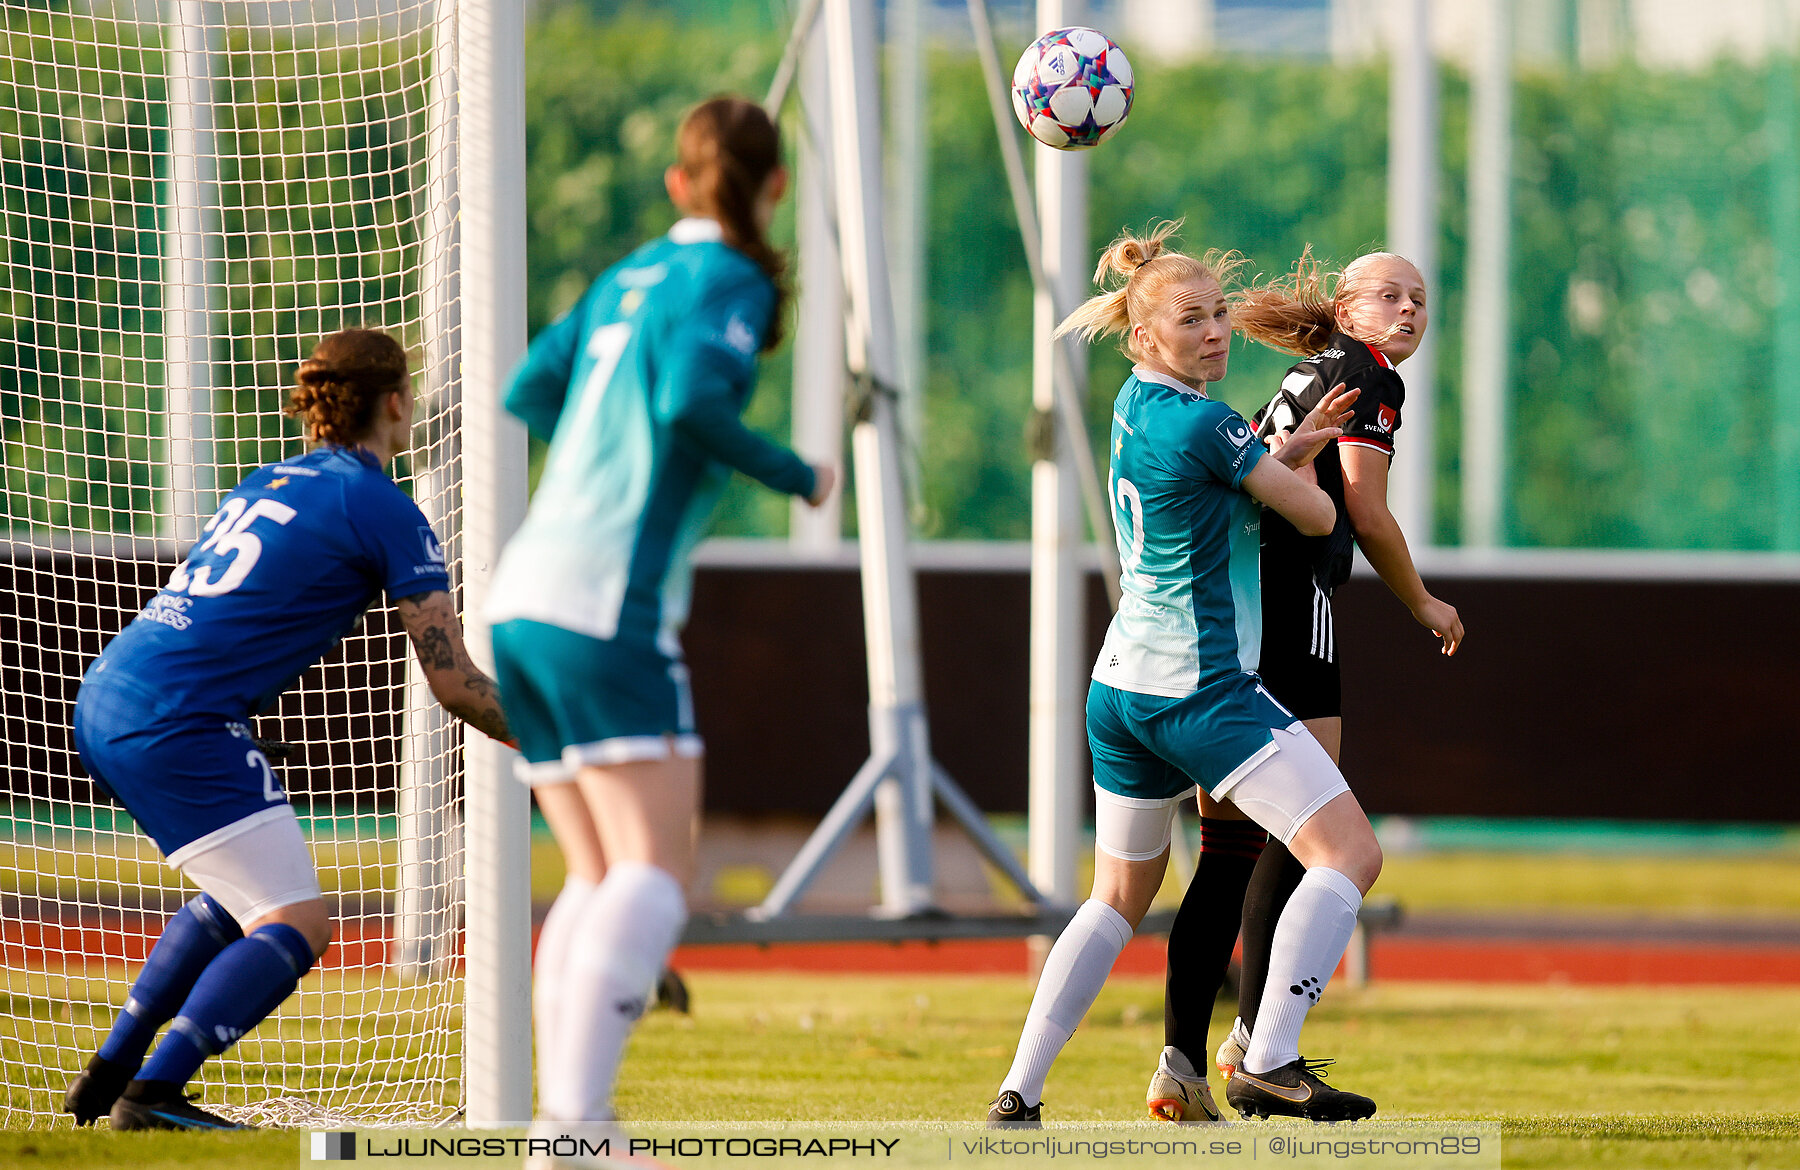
1144 269
1297 313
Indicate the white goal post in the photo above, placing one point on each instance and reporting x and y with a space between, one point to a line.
192 193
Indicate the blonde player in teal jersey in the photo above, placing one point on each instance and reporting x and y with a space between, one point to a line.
1175 702
638 389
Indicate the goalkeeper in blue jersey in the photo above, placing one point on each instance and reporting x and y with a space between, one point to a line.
1175 703
638 389
285 569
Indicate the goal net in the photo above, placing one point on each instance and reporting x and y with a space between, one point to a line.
193 193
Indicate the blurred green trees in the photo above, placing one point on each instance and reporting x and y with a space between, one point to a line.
1644 278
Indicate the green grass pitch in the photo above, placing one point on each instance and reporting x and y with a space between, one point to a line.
1688 1077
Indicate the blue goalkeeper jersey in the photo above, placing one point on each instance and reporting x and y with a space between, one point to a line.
1189 538
638 390
292 558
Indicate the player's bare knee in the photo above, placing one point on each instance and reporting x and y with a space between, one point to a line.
311 919
1363 864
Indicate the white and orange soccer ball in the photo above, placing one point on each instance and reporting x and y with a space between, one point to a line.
1072 88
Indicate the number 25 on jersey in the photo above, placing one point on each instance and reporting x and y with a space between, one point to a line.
229 536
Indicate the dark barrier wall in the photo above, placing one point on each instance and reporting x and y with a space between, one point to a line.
1571 698
1629 699
46 600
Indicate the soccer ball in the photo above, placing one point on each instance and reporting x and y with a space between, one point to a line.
1072 88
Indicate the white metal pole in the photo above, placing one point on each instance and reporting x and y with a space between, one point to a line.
819 382
1486 320
1784 240
907 171
1058 585
191 226
497 996
425 892
903 802
1412 231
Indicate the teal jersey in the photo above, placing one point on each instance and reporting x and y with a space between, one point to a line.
1189 539
638 390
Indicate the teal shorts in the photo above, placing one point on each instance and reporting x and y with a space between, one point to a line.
573 700
1152 747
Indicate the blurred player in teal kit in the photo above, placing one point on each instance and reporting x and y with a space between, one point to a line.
286 567
1175 703
638 390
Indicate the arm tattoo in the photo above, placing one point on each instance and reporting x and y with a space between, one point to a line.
436 652
457 682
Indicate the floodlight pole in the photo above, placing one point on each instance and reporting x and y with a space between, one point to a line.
900 778
1486 328
1412 230
820 386
1058 584
1784 235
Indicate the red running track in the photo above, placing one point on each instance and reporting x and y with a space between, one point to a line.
365 944
1456 960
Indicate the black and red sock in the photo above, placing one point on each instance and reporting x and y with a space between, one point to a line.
1205 930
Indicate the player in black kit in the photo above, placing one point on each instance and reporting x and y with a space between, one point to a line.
1352 328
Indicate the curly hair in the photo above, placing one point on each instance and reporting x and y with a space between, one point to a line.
338 389
1145 269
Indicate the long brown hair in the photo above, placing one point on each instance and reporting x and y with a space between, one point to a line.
1297 313
1144 269
337 389
728 147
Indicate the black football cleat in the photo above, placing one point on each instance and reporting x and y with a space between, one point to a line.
1294 1090
672 991
153 1105
92 1093
1009 1111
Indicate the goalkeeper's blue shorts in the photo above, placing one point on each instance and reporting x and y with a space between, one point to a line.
181 777
574 700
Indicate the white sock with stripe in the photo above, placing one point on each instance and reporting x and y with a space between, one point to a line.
1074 971
1310 937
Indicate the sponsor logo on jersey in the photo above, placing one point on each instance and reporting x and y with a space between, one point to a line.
629 303
1384 419
290 469
1235 431
643 277
740 336
1326 356
434 552
168 609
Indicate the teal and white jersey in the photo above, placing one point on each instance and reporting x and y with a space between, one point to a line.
638 390
1189 540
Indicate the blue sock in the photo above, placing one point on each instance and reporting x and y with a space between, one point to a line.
191 940
246 982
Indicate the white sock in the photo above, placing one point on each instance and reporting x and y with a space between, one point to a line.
618 947
1240 1033
549 970
1310 937
1176 1063
1074 971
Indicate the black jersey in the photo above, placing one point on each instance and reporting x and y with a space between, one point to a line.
1358 366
